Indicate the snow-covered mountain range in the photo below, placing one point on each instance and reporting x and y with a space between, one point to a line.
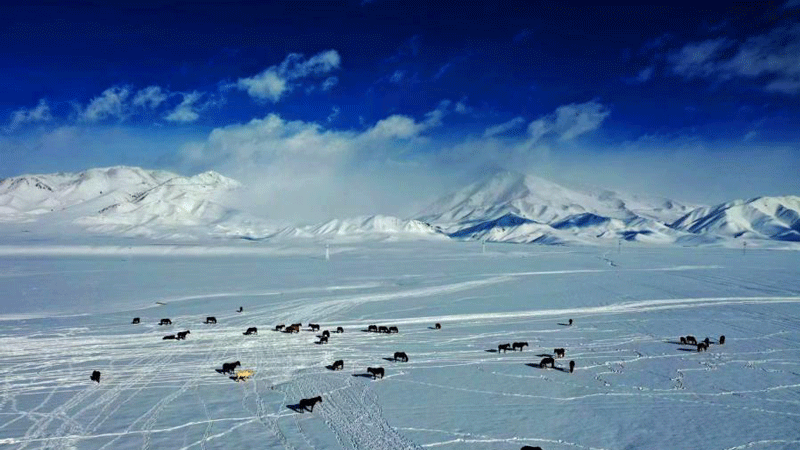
502 207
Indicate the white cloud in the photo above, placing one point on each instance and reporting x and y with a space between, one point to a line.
397 76
187 109
329 83
774 56
39 113
503 127
645 74
334 114
111 103
568 121
462 107
151 97
275 81
442 71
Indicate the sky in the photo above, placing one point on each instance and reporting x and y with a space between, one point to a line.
327 108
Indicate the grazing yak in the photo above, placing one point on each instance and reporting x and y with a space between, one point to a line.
323 340
503 347
211 319
707 341
95 376
560 352
326 334
375 371
182 335
393 330
240 309
307 404
528 447
691 340
230 367
383 329
165 322
169 336
400 356
571 366
372 328
722 339
702 347
570 321
297 325
135 321
438 326
279 327
546 361
683 340
313 326
338 365
251 330
519 345
292 329
339 330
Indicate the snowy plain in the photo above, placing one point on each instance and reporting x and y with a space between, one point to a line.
66 311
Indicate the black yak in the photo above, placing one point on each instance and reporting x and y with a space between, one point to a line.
393 330
400 356
338 365
211 319
722 339
375 371
95 376
165 322
182 335
571 366
519 345
326 333
691 340
323 340
313 326
240 309
702 346
683 340
547 360
503 347
135 320
251 330
528 447
169 336
383 329
279 327
307 404
372 328
438 326
570 321
230 367
560 352
339 330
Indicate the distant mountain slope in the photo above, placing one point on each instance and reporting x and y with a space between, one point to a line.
377 227
775 218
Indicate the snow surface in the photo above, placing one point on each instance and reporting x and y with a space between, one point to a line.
65 310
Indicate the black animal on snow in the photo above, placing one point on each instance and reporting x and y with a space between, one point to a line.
211 319
400 356
338 365
323 340
383 329
165 322
519 345
292 329
298 325
683 340
240 309
307 404
691 340
571 366
372 328
438 326
702 347
326 333
339 330
528 447
560 352
182 334
375 371
548 360
707 341
135 320
95 376
393 330
503 347
251 330
314 326
169 336
722 339
279 327
570 321
230 367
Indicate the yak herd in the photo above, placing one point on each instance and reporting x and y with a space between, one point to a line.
307 404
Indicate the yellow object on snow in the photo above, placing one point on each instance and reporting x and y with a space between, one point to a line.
243 375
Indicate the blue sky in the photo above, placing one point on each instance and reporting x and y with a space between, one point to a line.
672 100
